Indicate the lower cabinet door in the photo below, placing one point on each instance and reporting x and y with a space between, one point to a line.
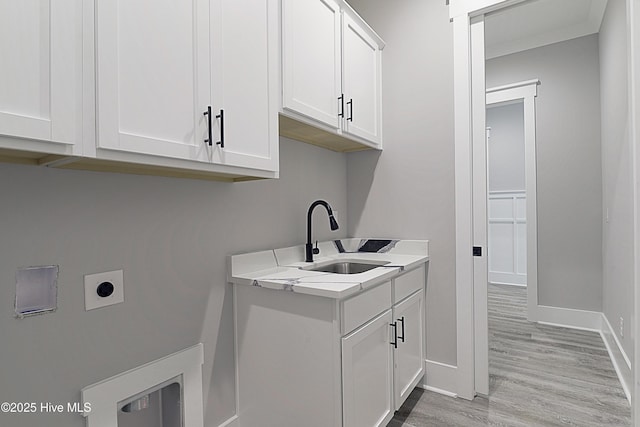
367 372
409 356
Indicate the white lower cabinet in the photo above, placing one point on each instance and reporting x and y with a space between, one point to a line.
408 357
367 374
315 361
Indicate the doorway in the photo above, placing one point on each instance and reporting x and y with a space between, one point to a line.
507 198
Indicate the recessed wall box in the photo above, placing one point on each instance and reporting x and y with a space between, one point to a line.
36 290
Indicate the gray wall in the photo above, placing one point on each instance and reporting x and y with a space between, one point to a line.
171 237
408 190
617 174
568 167
506 147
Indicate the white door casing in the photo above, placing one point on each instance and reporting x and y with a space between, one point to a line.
468 46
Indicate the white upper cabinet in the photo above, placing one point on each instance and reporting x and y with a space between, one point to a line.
311 53
331 75
361 83
161 68
244 37
41 75
153 77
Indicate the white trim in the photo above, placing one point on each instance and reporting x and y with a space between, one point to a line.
633 16
618 356
476 7
440 391
440 378
105 395
479 206
526 83
595 322
463 213
508 284
570 318
231 422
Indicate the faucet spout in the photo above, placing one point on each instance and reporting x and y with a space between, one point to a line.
333 224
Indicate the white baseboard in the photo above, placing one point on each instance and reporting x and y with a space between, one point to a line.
491 282
597 322
569 318
441 378
621 362
231 422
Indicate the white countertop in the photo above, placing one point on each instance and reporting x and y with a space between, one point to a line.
282 269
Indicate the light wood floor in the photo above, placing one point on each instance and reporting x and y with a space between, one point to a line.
539 376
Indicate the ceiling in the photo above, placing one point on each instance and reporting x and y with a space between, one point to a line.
540 22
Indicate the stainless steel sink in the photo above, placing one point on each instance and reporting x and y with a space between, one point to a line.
348 267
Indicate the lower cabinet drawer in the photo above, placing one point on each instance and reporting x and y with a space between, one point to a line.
408 283
365 306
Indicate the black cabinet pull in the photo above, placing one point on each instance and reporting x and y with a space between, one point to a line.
341 99
208 115
394 343
401 320
350 104
221 117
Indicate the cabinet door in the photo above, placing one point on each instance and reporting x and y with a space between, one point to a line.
311 59
367 374
409 356
153 76
41 71
244 39
361 58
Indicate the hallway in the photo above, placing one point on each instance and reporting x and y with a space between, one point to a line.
540 375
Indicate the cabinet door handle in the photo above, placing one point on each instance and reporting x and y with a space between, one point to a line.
394 343
208 115
350 104
221 117
341 99
401 338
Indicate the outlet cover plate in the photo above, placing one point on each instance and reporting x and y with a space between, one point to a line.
91 282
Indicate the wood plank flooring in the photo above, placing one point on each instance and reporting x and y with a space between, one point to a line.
539 375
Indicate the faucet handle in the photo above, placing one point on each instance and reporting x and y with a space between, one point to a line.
316 251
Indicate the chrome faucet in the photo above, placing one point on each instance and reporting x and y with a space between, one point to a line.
309 249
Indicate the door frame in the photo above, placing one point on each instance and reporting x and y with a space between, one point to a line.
633 42
461 13
525 92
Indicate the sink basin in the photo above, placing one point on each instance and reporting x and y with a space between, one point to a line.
348 267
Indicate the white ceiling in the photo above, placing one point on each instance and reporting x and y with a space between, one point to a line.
541 22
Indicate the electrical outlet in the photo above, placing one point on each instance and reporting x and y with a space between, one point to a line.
103 289
621 327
